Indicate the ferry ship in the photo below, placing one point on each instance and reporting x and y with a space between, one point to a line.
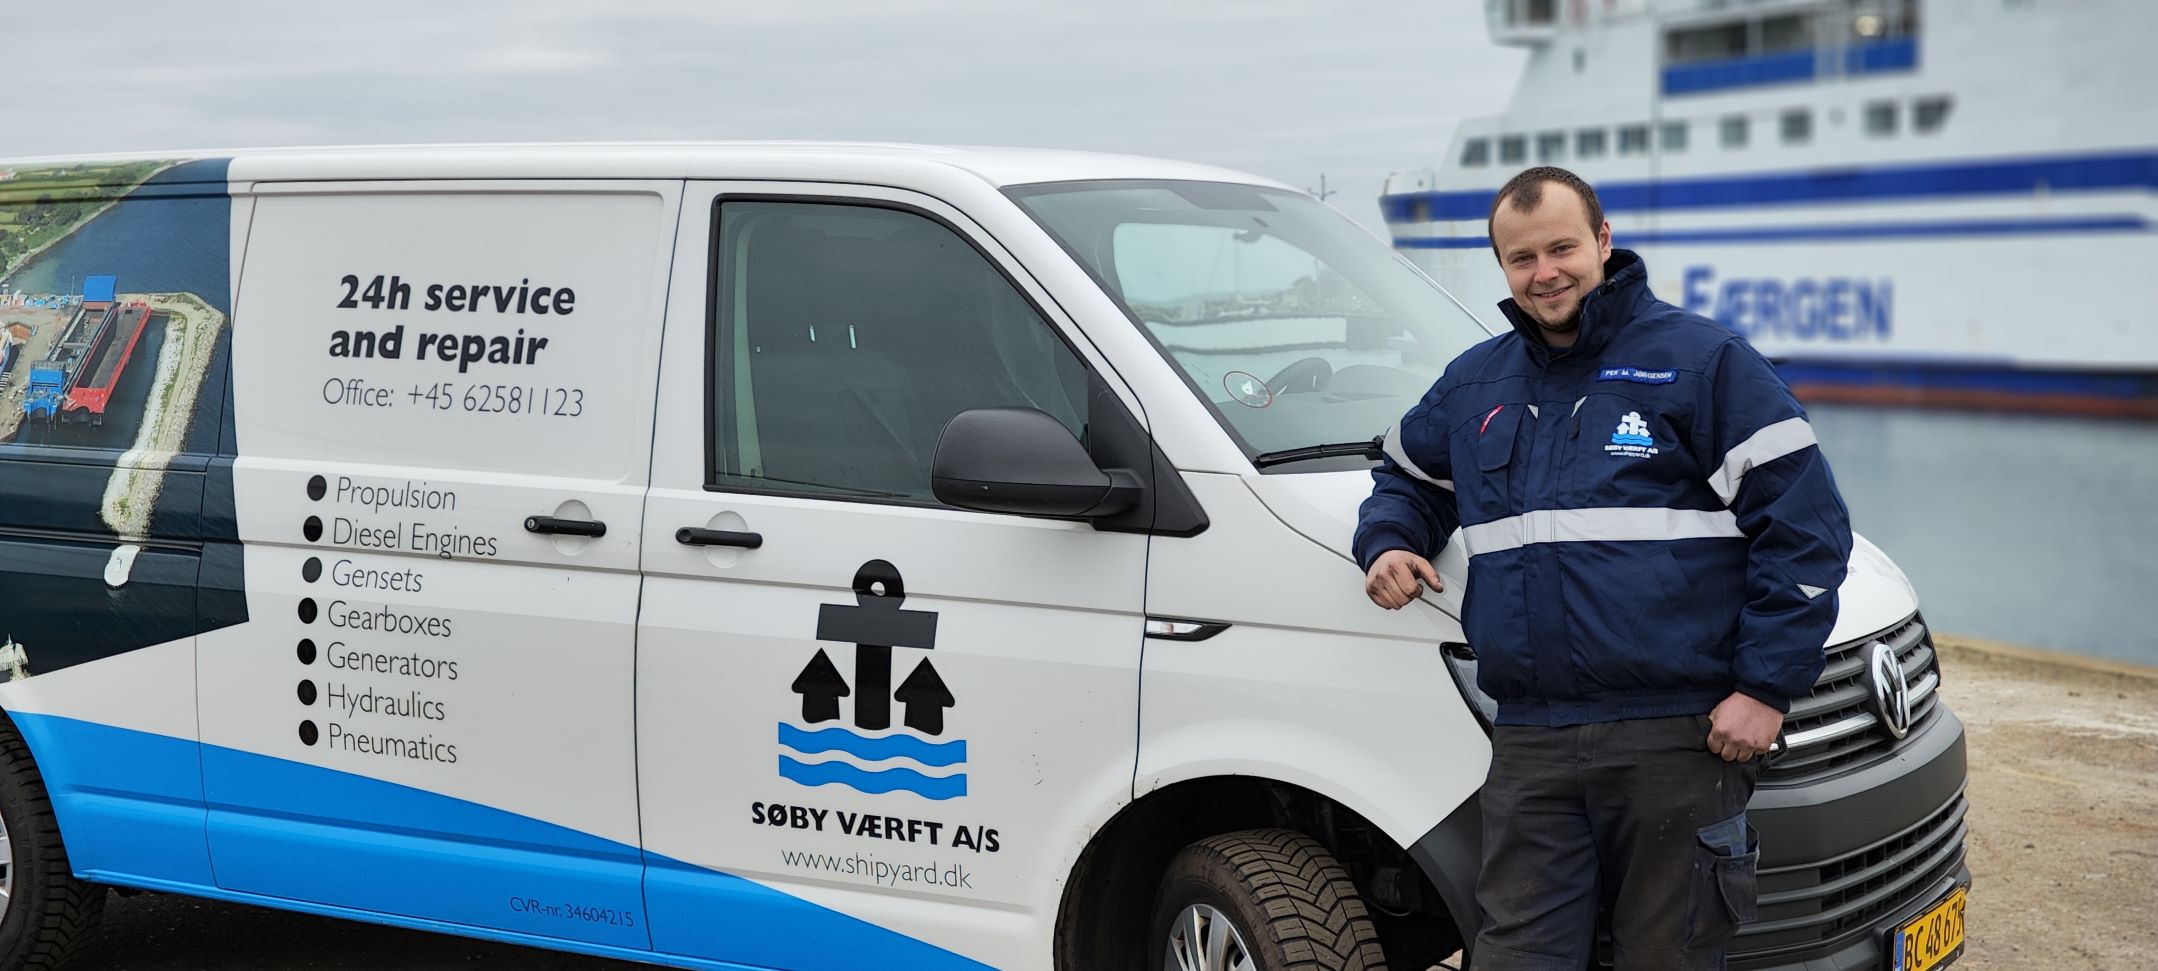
1899 201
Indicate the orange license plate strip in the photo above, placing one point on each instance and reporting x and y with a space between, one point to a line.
1929 939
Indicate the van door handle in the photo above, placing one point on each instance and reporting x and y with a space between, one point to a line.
565 527
699 536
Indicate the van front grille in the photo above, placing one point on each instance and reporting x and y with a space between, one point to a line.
1833 730
1807 904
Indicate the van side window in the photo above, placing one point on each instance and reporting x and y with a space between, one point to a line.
848 335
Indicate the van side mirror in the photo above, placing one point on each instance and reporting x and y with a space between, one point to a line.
1019 460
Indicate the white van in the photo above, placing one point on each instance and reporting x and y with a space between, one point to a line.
786 556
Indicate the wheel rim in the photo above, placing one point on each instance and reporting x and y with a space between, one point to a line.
7 869
1204 939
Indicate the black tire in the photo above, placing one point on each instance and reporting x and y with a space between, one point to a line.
1289 900
50 914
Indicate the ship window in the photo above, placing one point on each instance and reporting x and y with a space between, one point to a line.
1790 32
1532 13
1797 125
1513 149
1633 139
1733 131
1550 146
1476 152
1929 114
1881 118
1674 136
1589 143
1705 43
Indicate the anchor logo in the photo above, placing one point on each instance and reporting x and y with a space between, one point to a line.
875 624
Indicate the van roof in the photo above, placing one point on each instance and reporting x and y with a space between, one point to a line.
779 160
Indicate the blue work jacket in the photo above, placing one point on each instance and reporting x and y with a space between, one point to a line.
1649 523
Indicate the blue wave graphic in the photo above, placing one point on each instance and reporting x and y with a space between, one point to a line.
934 754
1632 440
875 783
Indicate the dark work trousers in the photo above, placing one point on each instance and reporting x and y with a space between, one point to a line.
1635 816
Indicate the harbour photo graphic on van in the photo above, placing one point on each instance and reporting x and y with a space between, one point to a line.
115 305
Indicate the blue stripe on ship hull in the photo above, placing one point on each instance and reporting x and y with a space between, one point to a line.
2132 170
1955 229
1953 376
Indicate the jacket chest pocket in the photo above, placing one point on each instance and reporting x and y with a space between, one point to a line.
1488 444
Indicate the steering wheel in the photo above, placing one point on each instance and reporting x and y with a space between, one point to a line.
1309 374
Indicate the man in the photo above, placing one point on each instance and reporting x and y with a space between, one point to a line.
1654 546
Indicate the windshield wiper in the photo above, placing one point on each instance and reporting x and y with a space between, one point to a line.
1370 450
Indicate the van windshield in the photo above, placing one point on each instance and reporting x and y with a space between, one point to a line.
1297 327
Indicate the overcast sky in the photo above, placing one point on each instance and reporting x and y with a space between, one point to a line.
1284 88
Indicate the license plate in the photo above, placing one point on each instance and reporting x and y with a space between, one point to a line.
1928 940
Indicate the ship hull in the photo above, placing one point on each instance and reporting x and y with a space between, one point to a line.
1935 287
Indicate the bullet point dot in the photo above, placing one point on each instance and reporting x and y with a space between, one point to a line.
307 692
307 610
308 734
316 487
312 528
312 569
307 651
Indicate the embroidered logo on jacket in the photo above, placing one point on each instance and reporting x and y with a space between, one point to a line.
1632 439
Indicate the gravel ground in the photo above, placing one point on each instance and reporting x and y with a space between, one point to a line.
2064 849
2064 812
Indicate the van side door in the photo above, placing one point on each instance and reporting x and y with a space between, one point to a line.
443 398
873 728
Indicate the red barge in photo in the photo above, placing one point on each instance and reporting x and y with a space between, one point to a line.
104 362
75 382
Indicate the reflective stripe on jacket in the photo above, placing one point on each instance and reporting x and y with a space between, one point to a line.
1648 521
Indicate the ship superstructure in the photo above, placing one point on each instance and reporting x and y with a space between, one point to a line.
1897 200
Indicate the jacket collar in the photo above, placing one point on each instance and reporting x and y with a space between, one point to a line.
1604 311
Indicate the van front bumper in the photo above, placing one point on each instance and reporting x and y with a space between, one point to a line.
1845 860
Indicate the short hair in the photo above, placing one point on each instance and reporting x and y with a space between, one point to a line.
1526 191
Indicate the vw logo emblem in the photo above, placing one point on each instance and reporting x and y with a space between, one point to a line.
1891 701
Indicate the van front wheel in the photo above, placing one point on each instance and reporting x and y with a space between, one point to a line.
45 913
1261 900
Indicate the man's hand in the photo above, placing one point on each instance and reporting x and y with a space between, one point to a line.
1743 727
1392 581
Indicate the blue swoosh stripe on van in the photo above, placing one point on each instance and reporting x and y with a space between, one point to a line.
130 802
2132 170
475 859
876 782
1953 229
933 754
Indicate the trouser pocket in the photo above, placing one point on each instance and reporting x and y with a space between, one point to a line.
1727 856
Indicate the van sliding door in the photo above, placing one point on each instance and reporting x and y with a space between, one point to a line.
443 397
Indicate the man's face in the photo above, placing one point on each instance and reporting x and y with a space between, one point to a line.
1552 258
